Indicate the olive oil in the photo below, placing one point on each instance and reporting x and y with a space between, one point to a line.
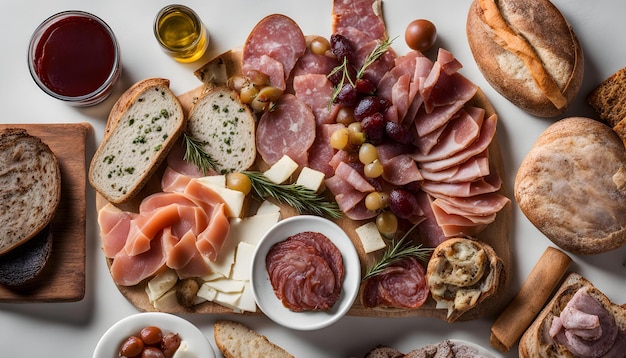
181 33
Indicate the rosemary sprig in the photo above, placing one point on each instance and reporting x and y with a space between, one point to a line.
195 154
398 250
375 55
302 199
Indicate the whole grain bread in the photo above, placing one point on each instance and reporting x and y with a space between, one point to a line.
235 340
528 52
30 187
536 340
141 129
226 127
572 186
609 100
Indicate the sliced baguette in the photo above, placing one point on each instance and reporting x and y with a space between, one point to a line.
142 128
226 126
536 342
30 187
236 340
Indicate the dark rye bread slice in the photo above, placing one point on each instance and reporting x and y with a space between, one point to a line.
23 264
30 187
609 99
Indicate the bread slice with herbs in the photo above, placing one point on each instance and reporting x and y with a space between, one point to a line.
141 129
235 340
30 187
226 129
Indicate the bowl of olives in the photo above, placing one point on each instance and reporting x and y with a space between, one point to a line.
153 335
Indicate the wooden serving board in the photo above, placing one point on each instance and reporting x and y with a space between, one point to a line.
63 277
496 235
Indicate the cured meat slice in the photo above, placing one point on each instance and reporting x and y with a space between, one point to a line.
128 270
346 196
278 37
430 232
363 15
287 130
477 205
401 285
488 184
273 68
473 169
114 226
306 272
401 170
321 153
316 91
353 177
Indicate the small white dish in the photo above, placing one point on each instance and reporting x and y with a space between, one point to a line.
484 352
262 289
197 343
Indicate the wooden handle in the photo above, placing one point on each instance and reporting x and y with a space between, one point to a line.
532 296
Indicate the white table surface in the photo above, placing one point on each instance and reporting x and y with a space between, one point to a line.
73 329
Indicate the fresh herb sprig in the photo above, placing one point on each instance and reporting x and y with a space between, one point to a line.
302 199
398 250
376 53
195 154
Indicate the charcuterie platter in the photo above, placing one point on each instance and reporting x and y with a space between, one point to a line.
492 232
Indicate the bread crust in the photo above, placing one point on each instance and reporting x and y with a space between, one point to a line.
127 100
559 54
571 186
235 340
534 343
30 187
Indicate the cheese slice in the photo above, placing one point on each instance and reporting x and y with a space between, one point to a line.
225 285
280 171
207 292
167 302
311 179
252 228
160 284
267 207
234 199
246 301
214 180
370 237
243 261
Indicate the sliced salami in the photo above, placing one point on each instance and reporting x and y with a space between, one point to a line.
278 37
401 285
289 129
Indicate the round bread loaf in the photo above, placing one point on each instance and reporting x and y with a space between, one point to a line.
23 264
528 52
572 186
30 187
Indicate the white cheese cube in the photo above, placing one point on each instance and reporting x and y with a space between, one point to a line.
212 276
311 179
370 237
184 351
167 302
229 300
267 207
234 199
160 284
214 180
206 292
243 261
280 171
252 228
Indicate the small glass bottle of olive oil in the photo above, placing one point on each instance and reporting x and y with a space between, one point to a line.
181 33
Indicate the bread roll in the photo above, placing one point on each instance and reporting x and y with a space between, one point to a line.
572 186
528 52
30 187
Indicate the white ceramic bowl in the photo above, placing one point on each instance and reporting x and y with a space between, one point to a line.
264 295
197 342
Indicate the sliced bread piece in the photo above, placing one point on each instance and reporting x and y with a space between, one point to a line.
226 127
236 340
25 263
142 128
609 98
30 187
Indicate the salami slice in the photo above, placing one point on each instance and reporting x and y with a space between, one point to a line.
401 285
278 37
289 129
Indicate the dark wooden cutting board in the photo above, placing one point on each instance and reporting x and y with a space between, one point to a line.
63 278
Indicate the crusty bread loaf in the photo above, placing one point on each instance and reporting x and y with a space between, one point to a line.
461 274
536 340
236 340
141 129
572 186
528 52
22 265
226 126
30 187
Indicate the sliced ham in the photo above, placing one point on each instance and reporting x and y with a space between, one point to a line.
431 233
472 169
345 195
488 184
477 205
289 129
401 170
353 177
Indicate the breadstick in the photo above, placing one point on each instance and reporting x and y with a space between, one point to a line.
532 296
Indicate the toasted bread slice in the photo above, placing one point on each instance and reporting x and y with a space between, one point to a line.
235 340
226 126
536 341
30 187
142 128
